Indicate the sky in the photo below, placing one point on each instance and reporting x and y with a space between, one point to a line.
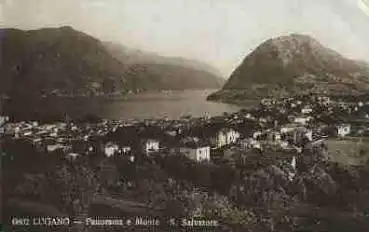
218 32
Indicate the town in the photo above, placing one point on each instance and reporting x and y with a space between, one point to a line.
287 135
288 125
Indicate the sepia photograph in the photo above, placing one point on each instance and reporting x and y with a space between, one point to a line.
184 115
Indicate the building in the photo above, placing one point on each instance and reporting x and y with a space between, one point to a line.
195 150
292 172
300 134
343 130
151 145
3 120
288 128
274 136
257 135
72 156
110 149
306 110
58 146
225 136
250 144
126 149
302 120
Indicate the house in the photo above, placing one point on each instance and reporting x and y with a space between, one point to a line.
150 145
58 146
308 133
324 100
302 120
126 149
250 143
3 120
298 134
72 156
173 132
343 130
292 173
274 136
257 135
196 150
288 128
306 110
225 136
110 149
291 148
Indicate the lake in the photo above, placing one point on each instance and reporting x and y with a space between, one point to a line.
172 105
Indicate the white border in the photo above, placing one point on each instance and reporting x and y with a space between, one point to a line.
364 6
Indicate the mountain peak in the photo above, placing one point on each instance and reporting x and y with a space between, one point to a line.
298 40
295 37
298 60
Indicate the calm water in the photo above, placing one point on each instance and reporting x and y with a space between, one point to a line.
143 106
159 105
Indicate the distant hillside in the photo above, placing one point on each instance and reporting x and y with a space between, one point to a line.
294 64
63 61
166 72
59 60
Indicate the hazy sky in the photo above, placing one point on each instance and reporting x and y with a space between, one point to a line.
219 32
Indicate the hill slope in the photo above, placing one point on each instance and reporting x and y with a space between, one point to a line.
58 60
64 61
291 64
137 56
159 72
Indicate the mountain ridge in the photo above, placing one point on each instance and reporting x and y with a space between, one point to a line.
168 72
138 56
65 61
291 64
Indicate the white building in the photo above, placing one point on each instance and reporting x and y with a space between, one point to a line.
274 136
294 162
110 149
300 133
151 145
3 120
302 120
72 156
226 137
126 149
343 130
306 110
197 153
54 147
309 135
256 134
250 143
292 173
288 128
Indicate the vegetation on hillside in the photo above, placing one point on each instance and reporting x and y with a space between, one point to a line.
292 64
253 196
63 61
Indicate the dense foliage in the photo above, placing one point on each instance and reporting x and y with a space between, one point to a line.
263 199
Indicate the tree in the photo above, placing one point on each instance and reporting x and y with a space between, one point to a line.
77 186
222 178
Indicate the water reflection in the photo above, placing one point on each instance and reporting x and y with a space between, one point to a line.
172 105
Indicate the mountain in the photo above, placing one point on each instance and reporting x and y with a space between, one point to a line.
294 64
64 61
59 60
162 72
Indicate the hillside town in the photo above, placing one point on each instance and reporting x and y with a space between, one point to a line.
278 137
287 125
